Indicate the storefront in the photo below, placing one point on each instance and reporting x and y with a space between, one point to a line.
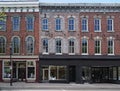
21 70
79 69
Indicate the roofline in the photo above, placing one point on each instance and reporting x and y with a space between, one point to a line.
80 4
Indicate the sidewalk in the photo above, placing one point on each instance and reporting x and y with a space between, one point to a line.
23 85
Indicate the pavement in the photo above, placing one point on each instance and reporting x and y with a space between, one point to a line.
71 86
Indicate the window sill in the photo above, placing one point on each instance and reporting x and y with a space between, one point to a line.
111 54
71 53
58 53
97 54
110 31
85 31
45 53
71 31
84 53
97 31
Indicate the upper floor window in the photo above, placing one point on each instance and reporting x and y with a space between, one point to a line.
45 45
2 45
110 25
97 46
58 24
3 25
30 23
97 25
110 46
30 45
45 24
16 23
84 24
84 46
71 46
16 45
58 44
71 23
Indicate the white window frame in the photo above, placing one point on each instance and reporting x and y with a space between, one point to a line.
58 53
97 25
58 24
69 19
34 63
112 25
44 52
86 25
96 46
111 46
71 47
84 38
46 24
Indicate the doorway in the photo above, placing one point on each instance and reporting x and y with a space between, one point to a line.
45 74
72 73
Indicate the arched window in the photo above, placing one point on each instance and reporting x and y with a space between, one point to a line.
45 45
71 46
84 46
2 45
16 45
30 45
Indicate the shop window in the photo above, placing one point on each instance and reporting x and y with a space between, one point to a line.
118 73
31 69
57 72
114 73
6 69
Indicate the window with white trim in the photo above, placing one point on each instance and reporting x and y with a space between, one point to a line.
45 45
71 24
30 45
58 24
30 69
97 46
84 46
97 25
16 45
71 46
58 44
110 46
110 25
44 24
84 24
2 45
6 73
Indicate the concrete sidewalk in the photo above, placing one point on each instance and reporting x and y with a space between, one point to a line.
23 85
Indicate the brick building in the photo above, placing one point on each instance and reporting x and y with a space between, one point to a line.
53 42
19 37
80 42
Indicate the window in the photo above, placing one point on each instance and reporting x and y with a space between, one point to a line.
45 24
110 25
71 22
58 46
110 46
58 24
57 72
30 45
97 25
84 46
16 45
84 24
97 46
3 24
16 23
2 45
6 73
45 45
71 46
30 23
31 69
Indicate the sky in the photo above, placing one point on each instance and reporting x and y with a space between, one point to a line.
80 1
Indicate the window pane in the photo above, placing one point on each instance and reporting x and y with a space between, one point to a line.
45 45
45 24
58 24
58 45
84 24
2 45
16 23
16 45
97 24
97 46
31 72
30 23
84 45
71 24
110 25
71 46
2 25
